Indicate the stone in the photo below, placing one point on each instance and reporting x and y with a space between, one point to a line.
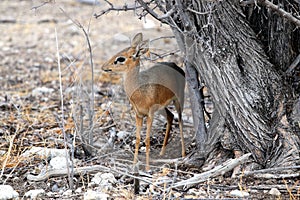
8 192
34 194
59 162
41 90
94 195
44 152
238 193
274 191
104 180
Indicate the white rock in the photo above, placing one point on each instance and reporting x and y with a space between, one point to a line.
104 180
93 195
67 193
143 149
7 192
274 191
122 135
41 90
2 152
78 190
105 106
59 162
48 60
44 152
50 194
238 193
34 194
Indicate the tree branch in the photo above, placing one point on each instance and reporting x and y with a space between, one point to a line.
218 170
293 65
120 8
275 8
148 9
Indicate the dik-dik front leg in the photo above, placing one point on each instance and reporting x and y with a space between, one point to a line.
139 124
147 141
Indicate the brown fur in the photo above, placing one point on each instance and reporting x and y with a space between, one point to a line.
149 91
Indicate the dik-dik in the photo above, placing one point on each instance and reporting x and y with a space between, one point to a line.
150 90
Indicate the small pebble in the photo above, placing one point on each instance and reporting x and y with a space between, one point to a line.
274 191
8 192
238 193
34 194
92 195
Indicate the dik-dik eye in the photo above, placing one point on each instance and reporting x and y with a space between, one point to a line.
120 60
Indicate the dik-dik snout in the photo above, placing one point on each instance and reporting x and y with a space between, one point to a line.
149 91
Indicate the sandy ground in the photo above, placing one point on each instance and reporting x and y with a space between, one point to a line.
30 103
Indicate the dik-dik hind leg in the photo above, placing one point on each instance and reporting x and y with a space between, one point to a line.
169 116
179 110
139 124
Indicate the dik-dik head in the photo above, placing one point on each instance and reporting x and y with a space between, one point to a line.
129 57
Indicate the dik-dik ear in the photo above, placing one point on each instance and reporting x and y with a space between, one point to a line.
141 47
137 39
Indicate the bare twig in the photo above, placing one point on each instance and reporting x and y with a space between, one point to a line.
293 65
159 56
199 13
41 5
149 10
275 176
119 8
64 172
11 142
218 170
280 187
278 10
91 110
276 169
70 175
167 14
80 170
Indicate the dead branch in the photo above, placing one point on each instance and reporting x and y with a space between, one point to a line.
266 173
293 65
148 9
159 56
276 176
42 4
125 8
280 11
275 8
274 169
280 187
92 107
63 172
218 170
83 170
62 126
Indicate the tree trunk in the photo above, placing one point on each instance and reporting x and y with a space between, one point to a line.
247 89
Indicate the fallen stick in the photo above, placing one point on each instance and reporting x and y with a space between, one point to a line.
64 172
218 170
82 170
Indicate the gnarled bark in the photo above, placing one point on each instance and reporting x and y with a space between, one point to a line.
248 92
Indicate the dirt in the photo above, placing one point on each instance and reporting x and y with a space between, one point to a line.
33 33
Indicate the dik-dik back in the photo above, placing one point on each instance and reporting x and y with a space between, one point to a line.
150 90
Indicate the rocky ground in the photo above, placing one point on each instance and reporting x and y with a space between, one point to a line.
33 121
